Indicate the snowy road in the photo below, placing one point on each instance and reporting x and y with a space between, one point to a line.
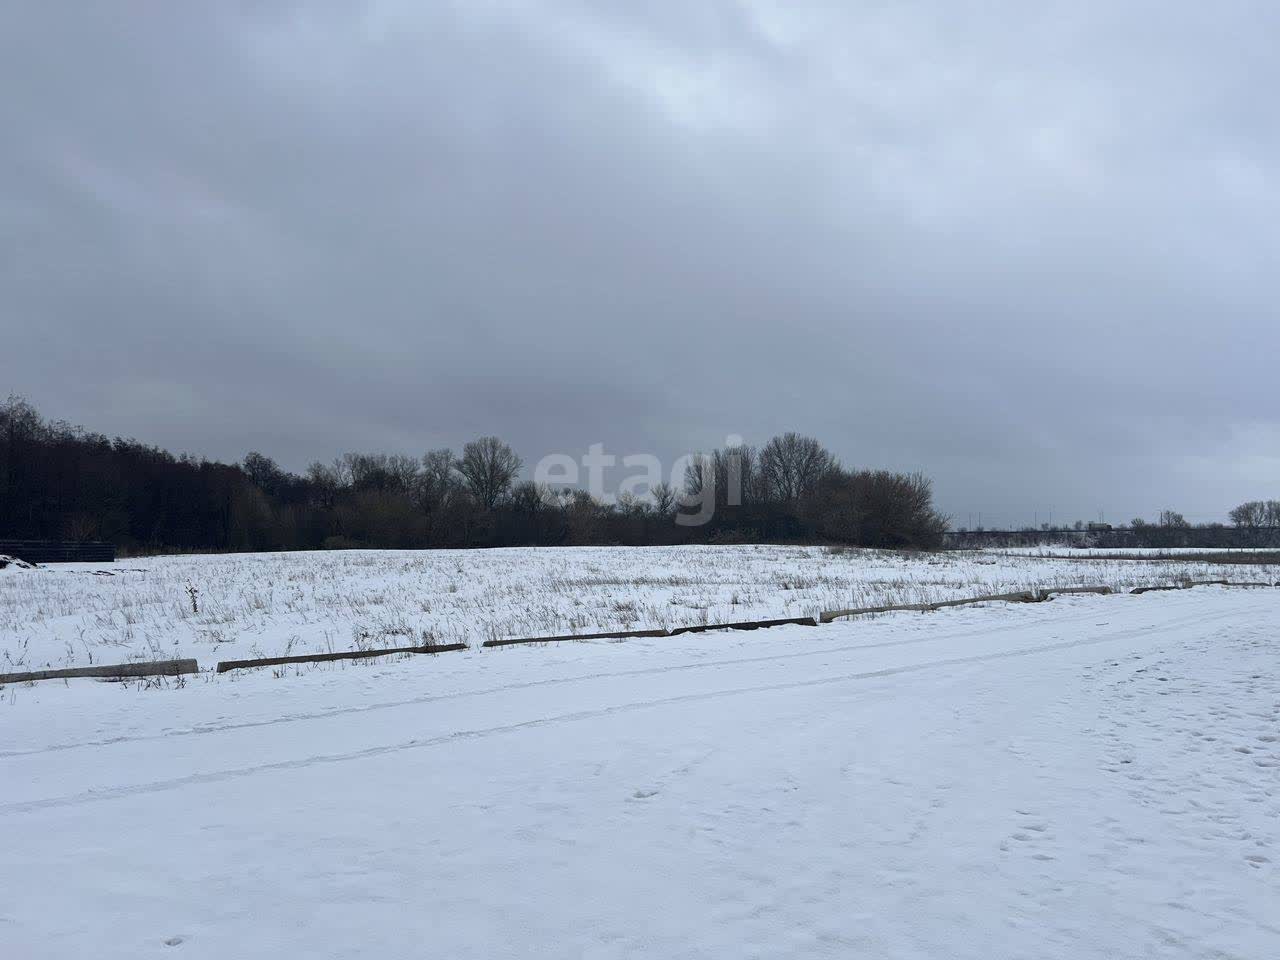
1092 777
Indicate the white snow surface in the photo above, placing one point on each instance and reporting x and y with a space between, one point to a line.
1070 550
1092 777
240 606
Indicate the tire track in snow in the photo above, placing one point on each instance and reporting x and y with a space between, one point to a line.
532 684
219 776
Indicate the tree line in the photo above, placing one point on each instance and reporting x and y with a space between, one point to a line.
59 481
1255 523
1252 524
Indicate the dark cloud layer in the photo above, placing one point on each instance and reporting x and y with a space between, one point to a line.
1029 249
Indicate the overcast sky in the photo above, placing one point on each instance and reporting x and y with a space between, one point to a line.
1030 249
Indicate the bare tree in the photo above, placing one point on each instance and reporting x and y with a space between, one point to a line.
792 466
728 477
699 491
1255 515
528 498
325 483
403 472
438 479
584 517
664 498
737 471
262 470
1250 515
876 508
386 473
699 472
629 505
488 466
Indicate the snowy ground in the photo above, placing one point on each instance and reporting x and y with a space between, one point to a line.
1068 550
250 605
1094 777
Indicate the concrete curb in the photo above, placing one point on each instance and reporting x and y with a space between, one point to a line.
747 625
226 665
608 635
1054 591
1021 596
114 671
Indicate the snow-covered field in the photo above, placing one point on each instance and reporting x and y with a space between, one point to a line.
234 606
1068 550
1095 777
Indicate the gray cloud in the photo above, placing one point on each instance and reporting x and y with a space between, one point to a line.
1028 250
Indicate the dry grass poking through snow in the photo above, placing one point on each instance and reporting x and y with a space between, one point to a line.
247 605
